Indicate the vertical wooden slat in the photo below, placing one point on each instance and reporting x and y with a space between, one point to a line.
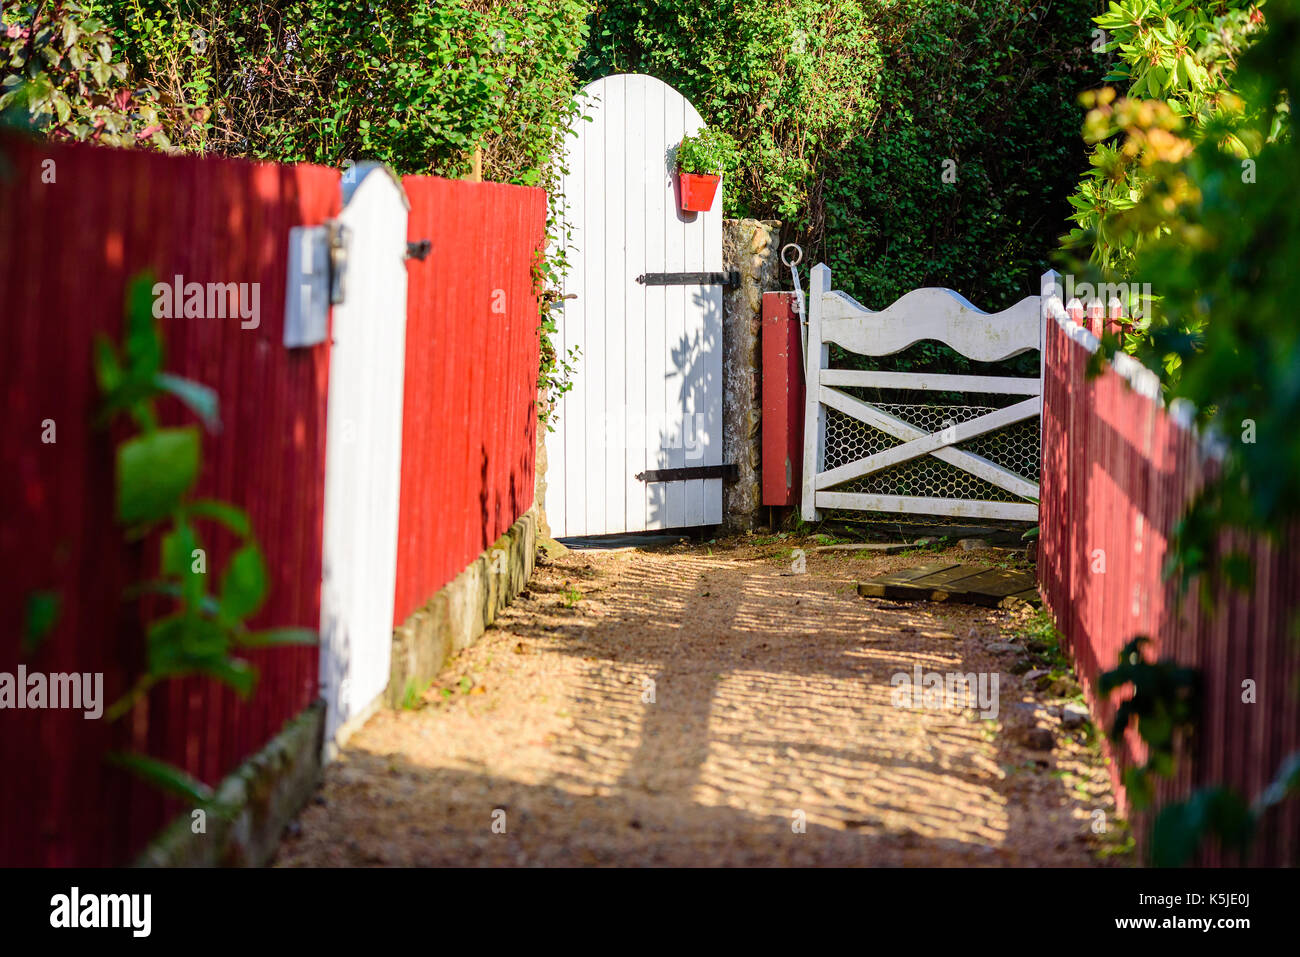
609 493
657 299
638 186
676 348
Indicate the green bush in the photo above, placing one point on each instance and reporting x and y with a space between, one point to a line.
1167 52
63 76
988 86
710 152
414 84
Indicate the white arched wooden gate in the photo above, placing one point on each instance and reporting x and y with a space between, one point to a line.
638 443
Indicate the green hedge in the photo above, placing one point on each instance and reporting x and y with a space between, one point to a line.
418 85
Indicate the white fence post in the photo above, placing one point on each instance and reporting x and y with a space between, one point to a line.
363 454
1049 288
814 424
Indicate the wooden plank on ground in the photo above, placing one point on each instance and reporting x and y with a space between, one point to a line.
879 585
1030 595
954 582
997 582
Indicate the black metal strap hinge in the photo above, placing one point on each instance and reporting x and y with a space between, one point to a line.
731 278
727 473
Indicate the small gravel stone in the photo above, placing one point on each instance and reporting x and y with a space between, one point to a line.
1074 715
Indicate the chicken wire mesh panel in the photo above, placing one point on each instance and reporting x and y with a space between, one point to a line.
1015 448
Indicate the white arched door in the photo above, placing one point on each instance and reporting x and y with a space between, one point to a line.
638 444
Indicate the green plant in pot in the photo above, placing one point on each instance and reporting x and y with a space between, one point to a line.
701 161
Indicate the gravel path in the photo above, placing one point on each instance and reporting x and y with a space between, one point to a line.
697 706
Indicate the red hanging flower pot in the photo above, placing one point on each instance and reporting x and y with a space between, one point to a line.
698 190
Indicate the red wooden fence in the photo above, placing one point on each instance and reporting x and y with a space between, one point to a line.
1118 471
469 429
67 250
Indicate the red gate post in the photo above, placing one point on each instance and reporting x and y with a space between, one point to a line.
783 399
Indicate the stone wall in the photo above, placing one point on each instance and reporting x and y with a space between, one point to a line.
461 610
751 247
242 826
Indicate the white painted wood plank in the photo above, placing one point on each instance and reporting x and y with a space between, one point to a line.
575 402
554 436
675 395
659 198
814 413
1049 285
999 385
713 335
695 327
938 314
638 168
617 282
917 505
598 416
363 455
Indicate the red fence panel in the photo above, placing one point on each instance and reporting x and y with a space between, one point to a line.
783 400
469 428
79 222
1118 472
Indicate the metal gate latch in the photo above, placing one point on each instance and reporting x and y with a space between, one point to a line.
318 263
340 237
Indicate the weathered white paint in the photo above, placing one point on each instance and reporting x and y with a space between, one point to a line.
1001 385
648 389
816 356
937 314
918 505
363 451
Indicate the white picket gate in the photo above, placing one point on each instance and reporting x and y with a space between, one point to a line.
968 461
638 443
363 451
